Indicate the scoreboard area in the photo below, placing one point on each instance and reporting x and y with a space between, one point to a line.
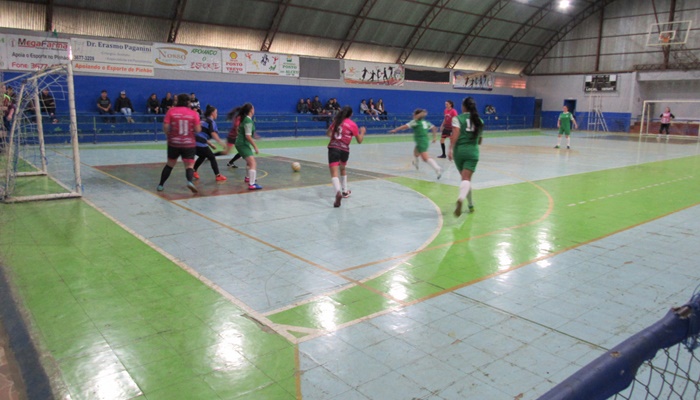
600 83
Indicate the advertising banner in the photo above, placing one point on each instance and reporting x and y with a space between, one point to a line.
32 53
368 73
472 80
271 64
234 62
108 57
188 58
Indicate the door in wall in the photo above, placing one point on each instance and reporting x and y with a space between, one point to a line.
571 105
537 120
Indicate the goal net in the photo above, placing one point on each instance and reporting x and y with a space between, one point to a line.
29 170
686 119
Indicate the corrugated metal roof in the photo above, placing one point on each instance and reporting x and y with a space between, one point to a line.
502 35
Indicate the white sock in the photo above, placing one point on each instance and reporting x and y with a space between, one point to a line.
469 199
464 190
344 183
433 164
568 140
559 141
252 174
336 184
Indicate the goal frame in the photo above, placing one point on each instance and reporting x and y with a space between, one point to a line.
647 118
12 139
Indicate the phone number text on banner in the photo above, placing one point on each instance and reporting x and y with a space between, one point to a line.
107 57
32 53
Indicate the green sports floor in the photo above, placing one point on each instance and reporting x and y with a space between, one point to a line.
129 293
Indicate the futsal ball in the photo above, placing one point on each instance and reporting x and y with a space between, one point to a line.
296 167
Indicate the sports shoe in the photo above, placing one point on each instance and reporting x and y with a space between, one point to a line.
254 186
346 194
568 147
471 209
415 164
231 165
556 147
220 178
442 156
439 173
196 175
160 188
458 208
246 179
192 187
338 198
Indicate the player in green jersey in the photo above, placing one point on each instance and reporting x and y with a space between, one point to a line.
564 125
464 149
420 135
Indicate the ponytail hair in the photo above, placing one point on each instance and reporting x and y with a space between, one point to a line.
232 114
469 105
209 111
244 110
343 114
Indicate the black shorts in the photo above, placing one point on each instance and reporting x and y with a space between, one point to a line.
337 156
447 132
204 152
187 153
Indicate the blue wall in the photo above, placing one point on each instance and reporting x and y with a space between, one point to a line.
278 98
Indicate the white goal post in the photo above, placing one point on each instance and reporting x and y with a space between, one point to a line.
25 158
685 112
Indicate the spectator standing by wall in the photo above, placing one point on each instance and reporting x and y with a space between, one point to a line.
194 104
48 105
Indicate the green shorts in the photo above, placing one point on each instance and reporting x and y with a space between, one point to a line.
465 159
245 150
564 131
422 145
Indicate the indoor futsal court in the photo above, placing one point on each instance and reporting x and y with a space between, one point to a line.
574 276
276 294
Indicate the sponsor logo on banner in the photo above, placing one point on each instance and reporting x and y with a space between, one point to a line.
171 57
30 53
187 58
290 66
365 73
234 64
99 56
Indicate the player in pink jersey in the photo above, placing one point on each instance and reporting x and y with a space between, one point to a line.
341 132
666 117
446 126
180 125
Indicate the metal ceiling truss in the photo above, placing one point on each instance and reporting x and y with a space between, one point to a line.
563 31
177 19
275 25
437 7
356 25
519 34
48 21
474 33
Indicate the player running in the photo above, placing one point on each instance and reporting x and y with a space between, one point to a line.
420 135
341 132
446 125
464 149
